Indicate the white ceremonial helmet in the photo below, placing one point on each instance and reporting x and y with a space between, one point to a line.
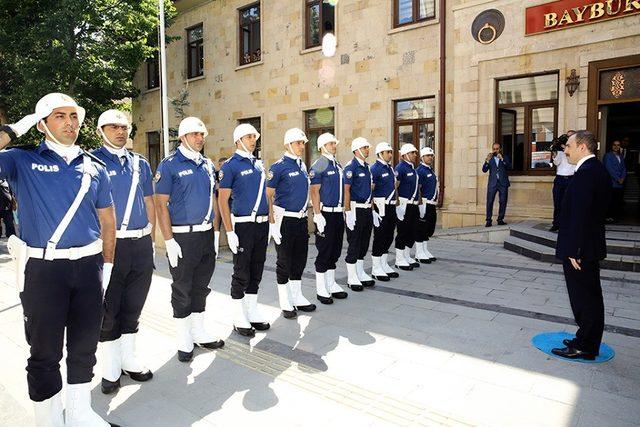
244 129
114 117
293 135
407 148
427 151
191 125
383 146
326 138
51 101
359 143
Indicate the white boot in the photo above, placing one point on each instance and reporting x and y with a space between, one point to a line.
364 278
78 411
377 271
384 263
285 302
421 255
352 278
111 360
401 262
256 318
131 365
335 289
407 256
426 250
49 412
322 289
240 321
184 339
297 298
200 335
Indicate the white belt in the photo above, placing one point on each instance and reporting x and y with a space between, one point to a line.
408 202
362 205
189 228
429 202
73 254
250 218
133 234
330 209
300 214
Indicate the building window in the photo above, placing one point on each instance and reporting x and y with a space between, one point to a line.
412 11
414 123
316 123
195 52
250 34
320 18
256 123
153 71
527 120
153 149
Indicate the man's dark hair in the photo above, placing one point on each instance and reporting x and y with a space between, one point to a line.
222 159
499 144
587 138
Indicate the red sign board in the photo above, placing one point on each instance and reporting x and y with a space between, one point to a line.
562 14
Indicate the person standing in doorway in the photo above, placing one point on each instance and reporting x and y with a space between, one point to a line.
614 163
497 165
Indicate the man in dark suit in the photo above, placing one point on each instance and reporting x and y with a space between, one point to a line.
581 244
497 164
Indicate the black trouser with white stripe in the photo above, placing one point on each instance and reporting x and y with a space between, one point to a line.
61 294
248 263
359 238
329 243
407 228
427 225
128 288
383 235
193 273
292 250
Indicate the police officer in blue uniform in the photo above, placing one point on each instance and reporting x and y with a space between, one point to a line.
288 194
132 191
407 207
328 205
428 181
64 256
249 226
186 205
384 199
359 216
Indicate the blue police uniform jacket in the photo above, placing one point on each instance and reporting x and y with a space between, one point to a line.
242 175
384 179
358 176
121 175
407 178
616 168
45 186
327 172
188 186
428 182
288 176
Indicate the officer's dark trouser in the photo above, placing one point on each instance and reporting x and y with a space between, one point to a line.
59 294
191 277
560 184
7 218
502 200
359 238
383 235
585 296
128 288
248 263
427 225
293 249
329 243
408 228
617 200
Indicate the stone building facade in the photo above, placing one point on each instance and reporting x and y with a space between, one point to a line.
383 83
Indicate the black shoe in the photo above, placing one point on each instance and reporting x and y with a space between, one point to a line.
339 295
382 278
554 228
393 275
569 342
368 283
424 261
573 353
488 224
289 314
213 345
324 300
415 264
139 376
114 425
109 387
356 288
245 332
307 308
405 267
434 259
260 326
501 222
183 356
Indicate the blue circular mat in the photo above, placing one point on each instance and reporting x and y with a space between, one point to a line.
548 340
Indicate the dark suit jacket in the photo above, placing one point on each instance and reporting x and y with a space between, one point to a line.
494 170
585 203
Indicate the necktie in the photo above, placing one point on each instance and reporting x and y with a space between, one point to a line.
299 161
122 160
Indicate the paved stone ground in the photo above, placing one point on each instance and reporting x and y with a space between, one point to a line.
448 344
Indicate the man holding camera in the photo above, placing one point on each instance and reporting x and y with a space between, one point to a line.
564 173
497 164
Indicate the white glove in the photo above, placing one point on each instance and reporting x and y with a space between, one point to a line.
350 218
153 248
216 242
402 208
274 233
107 268
174 251
422 209
233 241
24 124
320 222
376 219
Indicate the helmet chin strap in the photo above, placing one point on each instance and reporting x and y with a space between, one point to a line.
244 147
106 140
290 150
53 138
362 155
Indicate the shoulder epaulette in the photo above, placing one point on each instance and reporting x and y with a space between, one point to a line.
94 158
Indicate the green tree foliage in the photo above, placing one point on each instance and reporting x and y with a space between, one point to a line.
89 50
